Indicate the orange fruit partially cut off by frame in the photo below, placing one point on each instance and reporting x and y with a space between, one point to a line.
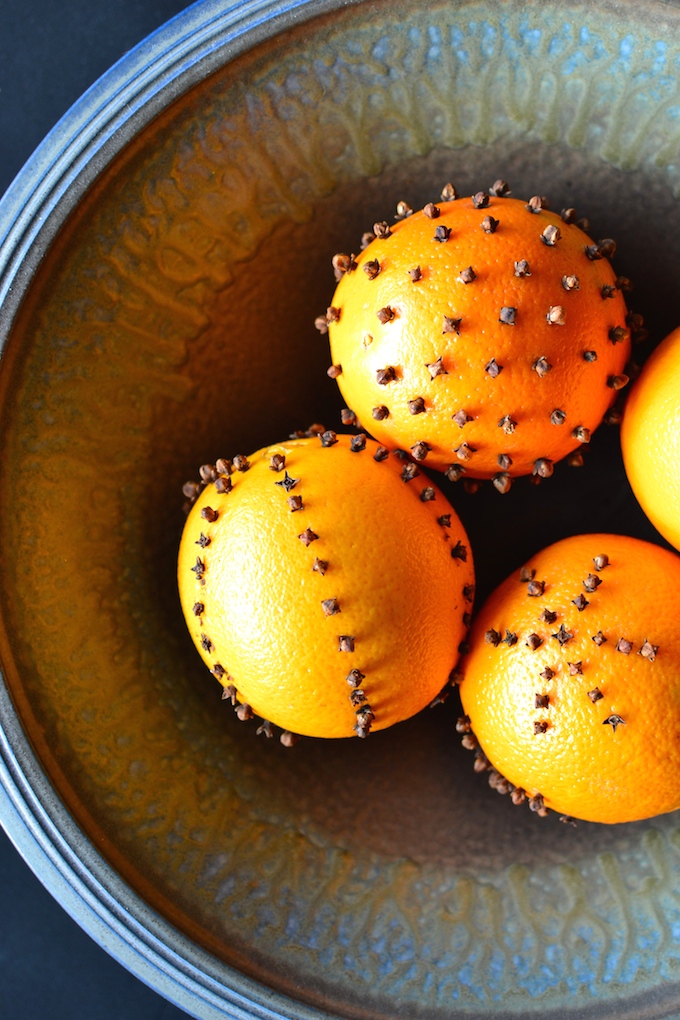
650 438
572 685
485 335
326 584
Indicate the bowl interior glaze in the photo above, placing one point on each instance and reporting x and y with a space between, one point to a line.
170 322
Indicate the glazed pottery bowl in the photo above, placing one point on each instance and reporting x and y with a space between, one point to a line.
163 259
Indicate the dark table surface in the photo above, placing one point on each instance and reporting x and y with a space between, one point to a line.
50 52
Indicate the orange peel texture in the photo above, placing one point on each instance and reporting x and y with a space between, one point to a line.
571 689
486 333
326 584
650 438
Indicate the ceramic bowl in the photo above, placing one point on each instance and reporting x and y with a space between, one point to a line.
163 259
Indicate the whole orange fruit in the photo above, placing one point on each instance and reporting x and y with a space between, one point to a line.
326 584
485 334
572 684
650 438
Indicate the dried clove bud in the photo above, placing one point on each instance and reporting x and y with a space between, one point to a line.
541 366
480 200
601 561
548 616
409 472
244 711
295 503
266 727
241 463
288 739
403 210
287 482
540 727
502 482
442 233
461 418
431 211
277 462
556 316
198 608
550 235
492 637
334 371
543 467
582 434
510 638
625 646
595 695
454 472
382 230
308 536
385 375
420 450
382 453
562 636
417 405
541 701
208 514
522 268
343 264
415 274
613 721
449 193
598 638
371 268
358 443
508 424
427 494
320 566
500 189
330 607
617 334
345 643
464 451
535 588
493 369
489 225
558 417
648 650
380 413
467 275
537 203
508 316
548 673
385 314
354 677
580 602
534 641
459 552
592 582
436 368
504 461
451 325
328 438
575 668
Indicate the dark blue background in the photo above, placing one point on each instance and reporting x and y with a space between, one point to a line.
50 52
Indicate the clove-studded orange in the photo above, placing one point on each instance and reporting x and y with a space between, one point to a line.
326 584
650 438
485 334
571 689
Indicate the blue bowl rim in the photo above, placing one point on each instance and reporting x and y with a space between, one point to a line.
185 50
